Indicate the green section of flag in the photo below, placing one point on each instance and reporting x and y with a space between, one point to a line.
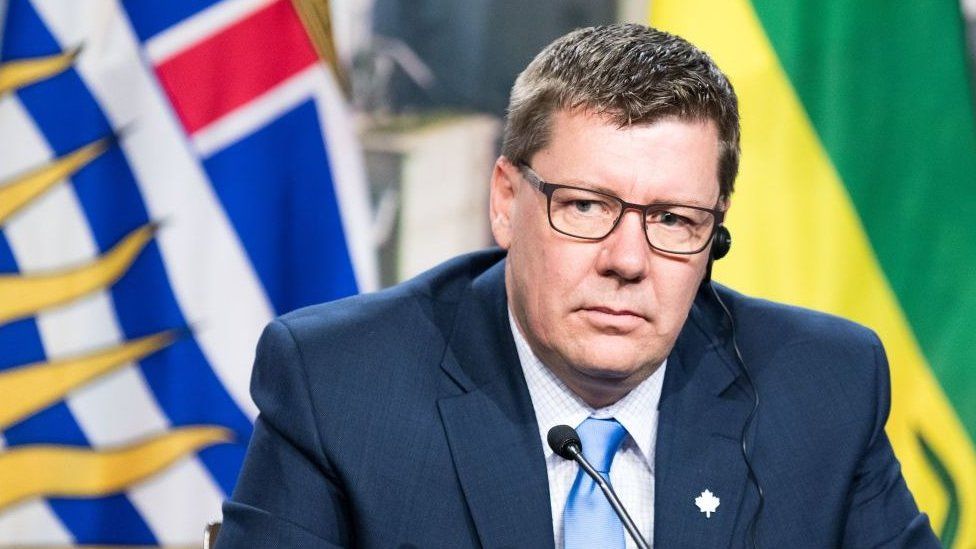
887 88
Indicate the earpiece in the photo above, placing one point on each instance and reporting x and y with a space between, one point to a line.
721 242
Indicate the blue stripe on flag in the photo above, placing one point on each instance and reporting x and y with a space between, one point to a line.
15 39
8 264
276 187
183 383
14 349
150 18
53 425
110 520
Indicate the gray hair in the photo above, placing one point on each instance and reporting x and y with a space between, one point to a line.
630 73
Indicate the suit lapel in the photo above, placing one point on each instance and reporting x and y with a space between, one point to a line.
491 428
701 415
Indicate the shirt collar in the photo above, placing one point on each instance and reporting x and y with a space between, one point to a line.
556 404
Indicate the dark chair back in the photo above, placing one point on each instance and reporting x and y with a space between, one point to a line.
210 535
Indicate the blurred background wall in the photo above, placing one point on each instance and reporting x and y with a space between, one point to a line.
429 83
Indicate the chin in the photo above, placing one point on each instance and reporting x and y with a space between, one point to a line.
611 361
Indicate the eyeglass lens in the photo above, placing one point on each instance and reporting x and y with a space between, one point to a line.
588 214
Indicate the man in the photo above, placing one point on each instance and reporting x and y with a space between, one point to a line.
416 417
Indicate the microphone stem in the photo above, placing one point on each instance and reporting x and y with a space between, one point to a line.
612 498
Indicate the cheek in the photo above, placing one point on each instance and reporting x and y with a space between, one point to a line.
677 283
547 261
550 275
548 280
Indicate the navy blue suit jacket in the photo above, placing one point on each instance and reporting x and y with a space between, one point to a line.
402 419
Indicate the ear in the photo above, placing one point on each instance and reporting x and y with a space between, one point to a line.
504 185
724 203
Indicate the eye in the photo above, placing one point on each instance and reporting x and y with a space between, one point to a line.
581 203
584 206
671 219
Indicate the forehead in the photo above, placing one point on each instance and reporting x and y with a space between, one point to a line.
670 159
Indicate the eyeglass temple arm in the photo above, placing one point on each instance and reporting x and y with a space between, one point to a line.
536 181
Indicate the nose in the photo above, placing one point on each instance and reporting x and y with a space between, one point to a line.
626 254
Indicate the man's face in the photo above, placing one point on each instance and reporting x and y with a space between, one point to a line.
604 314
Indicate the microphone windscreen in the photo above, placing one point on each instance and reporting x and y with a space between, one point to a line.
563 437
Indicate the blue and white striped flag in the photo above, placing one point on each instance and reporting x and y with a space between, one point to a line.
173 174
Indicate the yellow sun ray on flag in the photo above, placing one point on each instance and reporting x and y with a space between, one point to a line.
21 190
24 295
25 390
18 74
64 471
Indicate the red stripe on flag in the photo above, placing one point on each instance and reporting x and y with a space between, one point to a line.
236 65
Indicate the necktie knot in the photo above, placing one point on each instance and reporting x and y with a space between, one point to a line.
601 439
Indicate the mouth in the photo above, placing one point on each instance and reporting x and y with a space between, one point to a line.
613 312
613 319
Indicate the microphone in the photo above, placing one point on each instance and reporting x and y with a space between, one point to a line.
565 442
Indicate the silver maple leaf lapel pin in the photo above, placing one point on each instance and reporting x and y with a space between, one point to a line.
707 503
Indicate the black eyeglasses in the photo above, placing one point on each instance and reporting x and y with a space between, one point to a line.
593 215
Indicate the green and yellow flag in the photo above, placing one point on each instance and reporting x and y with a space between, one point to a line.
857 196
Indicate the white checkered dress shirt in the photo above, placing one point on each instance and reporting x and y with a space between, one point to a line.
632 472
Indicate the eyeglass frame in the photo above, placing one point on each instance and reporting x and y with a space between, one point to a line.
548 189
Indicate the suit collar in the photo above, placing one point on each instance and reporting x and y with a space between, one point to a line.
491 427
480 337
708 327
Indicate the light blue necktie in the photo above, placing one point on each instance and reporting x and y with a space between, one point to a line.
588 520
